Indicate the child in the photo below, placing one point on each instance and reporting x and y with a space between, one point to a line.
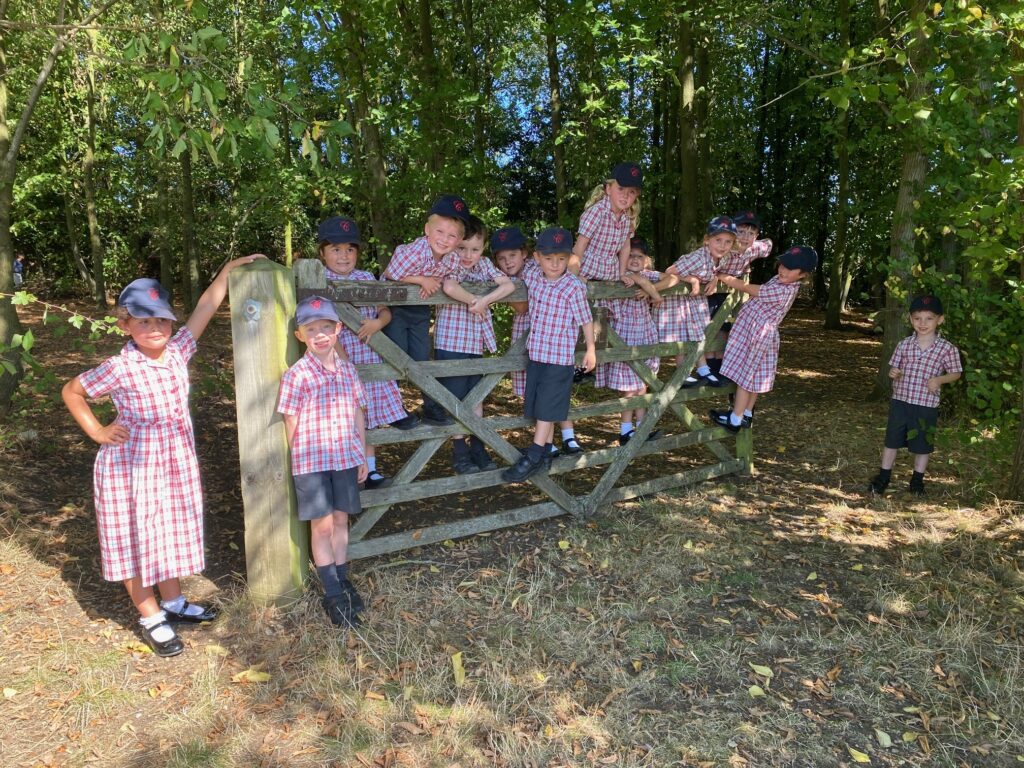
338 239
686 317
746 249
919 366
19 270
462 333
632 321
752 354
425 262
558 309
322 402
146 488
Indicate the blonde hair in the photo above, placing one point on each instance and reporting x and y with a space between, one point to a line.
598 193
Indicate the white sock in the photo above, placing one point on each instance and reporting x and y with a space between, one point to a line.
735 420
748 413
162 634
371 462
568 434
625 427
174 605
703 370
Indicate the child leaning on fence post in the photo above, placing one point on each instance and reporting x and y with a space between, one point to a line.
919 367
146 488
322 402
558 310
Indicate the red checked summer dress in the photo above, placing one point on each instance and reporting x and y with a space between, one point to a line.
632 321
752 352
149 501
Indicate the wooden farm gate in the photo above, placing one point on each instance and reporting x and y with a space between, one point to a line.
263 298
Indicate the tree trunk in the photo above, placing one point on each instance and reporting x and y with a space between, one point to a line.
81 266
88 181
190 264
839 277
688 205
1016 487
554 86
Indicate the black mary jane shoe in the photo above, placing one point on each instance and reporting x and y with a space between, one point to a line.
210 612
167 648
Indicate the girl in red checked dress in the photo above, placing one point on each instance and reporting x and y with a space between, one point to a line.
608 222
338 239
147 493
752 354
686 317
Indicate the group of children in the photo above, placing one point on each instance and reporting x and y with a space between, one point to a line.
147 492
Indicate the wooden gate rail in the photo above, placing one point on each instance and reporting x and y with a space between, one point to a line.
262 306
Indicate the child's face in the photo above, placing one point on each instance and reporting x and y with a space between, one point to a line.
719 244
319 336
925 323
622 198
787 275
150 334
552 265
443 235
637 261
510 261
340 258
746 234
470 250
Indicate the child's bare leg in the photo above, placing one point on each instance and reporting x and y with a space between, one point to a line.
321 540
889 458
143 598
478 410
920 462
744 401
544 432
339 537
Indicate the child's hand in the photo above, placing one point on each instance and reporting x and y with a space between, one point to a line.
712 286
112 434
367 328
896 374
694 285
479 308
627 279
430 286
242 260
656 299
363 473
589 360
934 385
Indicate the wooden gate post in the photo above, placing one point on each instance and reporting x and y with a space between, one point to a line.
276 544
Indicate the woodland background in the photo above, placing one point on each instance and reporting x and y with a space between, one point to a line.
161 138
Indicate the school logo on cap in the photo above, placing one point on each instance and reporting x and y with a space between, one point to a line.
345 225
315 303
503 236
793 250
634 171
459 205
154 293
558 237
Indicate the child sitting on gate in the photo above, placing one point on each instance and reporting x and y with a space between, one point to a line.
558 309
919 366
508 247
462 333
736 262
685 317
631 320
322 402
338 242
146 487
425 262
752 354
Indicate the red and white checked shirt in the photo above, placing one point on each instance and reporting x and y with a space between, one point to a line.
416 258
607 233
697 264
148 497
456 329
919 365
738 264
325 403
358 352
557 310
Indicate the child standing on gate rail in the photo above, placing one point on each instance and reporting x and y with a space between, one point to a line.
752 354
426 262
558 310
322 402
147 492
462 333
338 242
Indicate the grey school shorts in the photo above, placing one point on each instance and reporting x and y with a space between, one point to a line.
548 389
320 493
911 426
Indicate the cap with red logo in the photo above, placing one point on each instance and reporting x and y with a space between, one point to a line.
801 257
451 207
746 217
315 308
337 230
554 240
927 303
507 239
628 175
145 297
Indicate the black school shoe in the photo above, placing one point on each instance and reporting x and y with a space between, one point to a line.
916 486
376 480
481 458
571 447
721 419
716 417
435 417
464 465
410 421
339 611
166 649
354 598
623 439
210 612
523 469
877 486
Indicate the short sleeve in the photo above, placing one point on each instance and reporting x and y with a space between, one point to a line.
356 386
401 264
590 221
897 356
184 343
953 364
102 379
289 398
581 307
760 249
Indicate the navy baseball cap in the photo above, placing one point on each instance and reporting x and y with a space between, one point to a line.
628 175
315 308
721 224
746 217
337 229
507 239
801 257
554 240
451 207
145 297
927 303
638 244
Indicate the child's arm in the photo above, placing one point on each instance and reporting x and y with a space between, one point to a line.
624 274
576 257
212 297
590 356
647 287
364 468
74 395
453 289
370 326
290 423
738 285
428 285
935 382
503 288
